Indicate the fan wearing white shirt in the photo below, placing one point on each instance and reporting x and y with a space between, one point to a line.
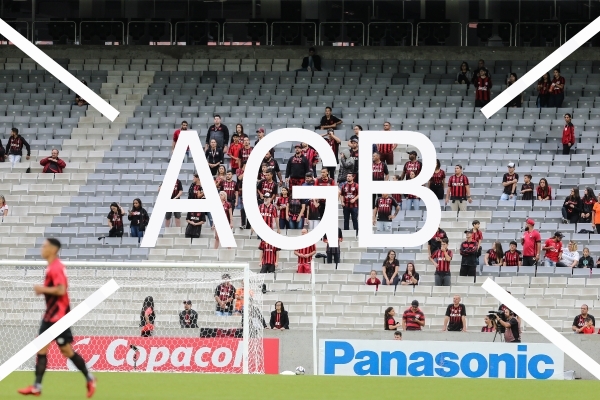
570 257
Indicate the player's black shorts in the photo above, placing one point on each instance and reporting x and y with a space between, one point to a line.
64 338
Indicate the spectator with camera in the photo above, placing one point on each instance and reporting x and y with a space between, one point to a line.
413 318
188 318
579 322
510 323
456 316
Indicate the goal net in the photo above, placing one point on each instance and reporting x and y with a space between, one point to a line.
195 324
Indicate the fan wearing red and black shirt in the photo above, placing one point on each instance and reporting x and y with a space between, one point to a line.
553 248
459 191
413 318
493 257
379 170
312 156
509 184
273 165
456 316
324 180
245 151
349 199
435 243
483 87
579 321
329 121
115 220
441 260
438 181
184 127
512 258
387 150
333 142
176 194
14 147
269 212
269 257
234 152
470 252
305 256
386 209
55 291
267 185
543 87
228 212
296 169
543 191
230 188
220 133
333 253
568 135
557 90
413 165
527 188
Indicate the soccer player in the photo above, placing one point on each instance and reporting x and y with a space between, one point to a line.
58 305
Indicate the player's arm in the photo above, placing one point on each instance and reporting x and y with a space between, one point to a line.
59 290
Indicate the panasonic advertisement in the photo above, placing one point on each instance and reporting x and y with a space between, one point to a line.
440 359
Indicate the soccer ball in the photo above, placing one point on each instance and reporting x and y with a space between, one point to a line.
300 371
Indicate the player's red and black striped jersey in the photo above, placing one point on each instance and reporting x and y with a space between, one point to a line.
412 166
385 208
544 192
385 148
397 197
245 153
380 170
56 306
265 186
304 251
512 259
442 264
268 213
409 319
477 236
438 178
282 202
227 207
492 257
269 253
555 89
455 313
482 88
458 186
230 188
349 192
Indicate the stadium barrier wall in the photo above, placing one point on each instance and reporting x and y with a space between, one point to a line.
295 346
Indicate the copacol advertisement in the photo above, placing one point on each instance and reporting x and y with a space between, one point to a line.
440 359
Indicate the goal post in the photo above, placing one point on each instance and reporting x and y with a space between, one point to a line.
111 337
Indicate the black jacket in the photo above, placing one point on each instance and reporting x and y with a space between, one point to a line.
316 62
285 321
19 142
193 319
470 252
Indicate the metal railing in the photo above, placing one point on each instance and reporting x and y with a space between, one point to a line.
33 36
412 29
248 23
538 23
199 22
574 23
151 22
439 23
291 22
101 22
342 31
489 23
14 24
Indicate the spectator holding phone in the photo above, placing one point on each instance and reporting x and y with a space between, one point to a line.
389 323
115 220
410 276
413 318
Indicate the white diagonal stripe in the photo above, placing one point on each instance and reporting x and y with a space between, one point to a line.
540 69
543 328
63 324
57 71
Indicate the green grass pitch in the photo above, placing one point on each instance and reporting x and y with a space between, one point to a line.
148 386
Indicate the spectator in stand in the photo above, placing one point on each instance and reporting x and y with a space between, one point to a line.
3 206
269 257
246 149
346 167
414 202
413 318
509 182
398 196
305 256
459 191
543 88
312 157
410 276
357 130
53 164
273 165
517 101
571 209
224 297
260 134
489 325
494 256
441 260
269 212
390 269
281 203
435 243
329 121
184 127
279 317
464 75
14 147
239 130
512 258
312 62
386 209
373 280
188 318
596 215
176 194
483 87
234 152
380 170
138 220
2 152
387 150
553 248
220 133
412 165
80 101
228 212
229 186
333 142
477 234
579 321
589 327
295 213
214 156
333 253
147 317
240 179
324 180
527 188
586 261
313 213
194 220
456 316
512 332
349 198
353 157
569 258
557 90
532 244
389 323
568 135
296 169
266 185
437 183
397 335
115 220
470 252
587 202
544 191
220 177
477 71
195 190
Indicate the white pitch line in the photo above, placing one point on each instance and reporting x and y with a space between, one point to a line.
63 324
540 69
57 71
542 327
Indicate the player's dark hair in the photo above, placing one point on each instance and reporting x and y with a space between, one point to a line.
54 242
